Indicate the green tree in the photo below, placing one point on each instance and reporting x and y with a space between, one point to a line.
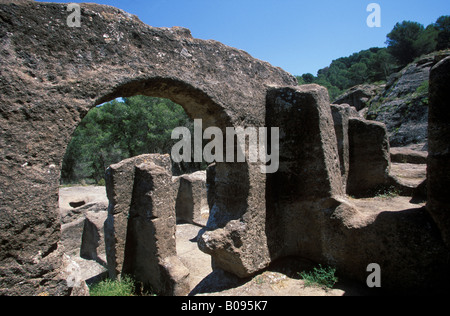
308 78
381 66
408 40
359 73
427 41
300 80
443 28
118 130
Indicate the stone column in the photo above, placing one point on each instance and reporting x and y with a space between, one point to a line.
309 175
369 157
439 148
341 115
141 225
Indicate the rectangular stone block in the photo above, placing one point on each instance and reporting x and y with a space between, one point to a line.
369 157
341 114
439 148
192 200
119 187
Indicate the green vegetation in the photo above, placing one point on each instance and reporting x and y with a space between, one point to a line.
372 65
443 27
124 287
407 41
321 277
420 95
119 130
423 89
422 92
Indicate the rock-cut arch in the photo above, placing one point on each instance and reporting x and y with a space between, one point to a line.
231 181
52 74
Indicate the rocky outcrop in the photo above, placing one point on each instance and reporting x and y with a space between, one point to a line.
438 183
94 199
403 104
360 96
69 216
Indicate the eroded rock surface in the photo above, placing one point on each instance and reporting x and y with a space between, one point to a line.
359 96
51 75
439 148
403 103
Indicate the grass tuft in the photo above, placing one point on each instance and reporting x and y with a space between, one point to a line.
123 287
320 277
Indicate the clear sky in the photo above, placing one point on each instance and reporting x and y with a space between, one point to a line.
297 35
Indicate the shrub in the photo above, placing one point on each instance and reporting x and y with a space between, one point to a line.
423 89
322 277
123 287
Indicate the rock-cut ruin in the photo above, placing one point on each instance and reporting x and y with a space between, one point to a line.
51 75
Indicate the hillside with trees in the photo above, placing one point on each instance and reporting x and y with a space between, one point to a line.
406 42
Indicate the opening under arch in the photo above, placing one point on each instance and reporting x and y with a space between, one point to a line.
231 180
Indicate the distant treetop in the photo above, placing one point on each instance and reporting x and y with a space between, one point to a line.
407 41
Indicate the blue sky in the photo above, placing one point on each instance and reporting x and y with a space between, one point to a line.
296 35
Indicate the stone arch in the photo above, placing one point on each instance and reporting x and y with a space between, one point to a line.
231 181
194 101
230 177
53 74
